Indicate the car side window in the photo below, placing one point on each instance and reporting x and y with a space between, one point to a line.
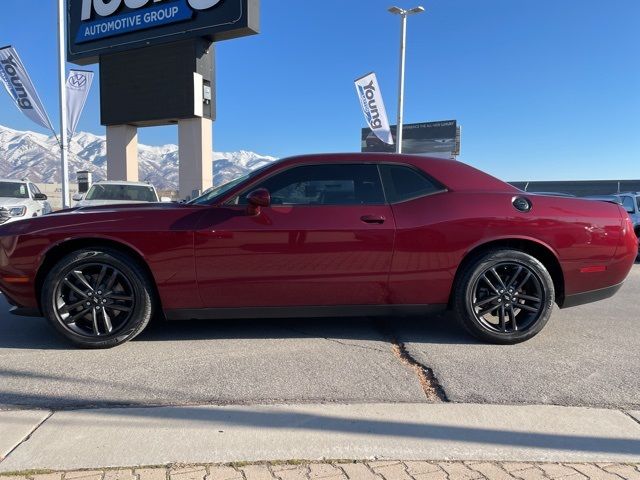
329 184
34 189
627 203
402 182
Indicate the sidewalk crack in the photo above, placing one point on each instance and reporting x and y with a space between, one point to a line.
428 381
631 416
28 436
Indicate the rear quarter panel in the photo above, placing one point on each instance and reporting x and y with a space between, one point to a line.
435 233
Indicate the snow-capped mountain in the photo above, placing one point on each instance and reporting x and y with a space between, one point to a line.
36 156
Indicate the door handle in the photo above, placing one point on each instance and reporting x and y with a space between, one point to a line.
379 219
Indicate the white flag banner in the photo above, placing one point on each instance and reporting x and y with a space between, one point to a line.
373 107
78 86
19 86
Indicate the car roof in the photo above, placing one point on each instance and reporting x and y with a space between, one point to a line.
454 174
13 180
121 182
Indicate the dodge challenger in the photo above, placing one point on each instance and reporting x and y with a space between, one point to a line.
319 236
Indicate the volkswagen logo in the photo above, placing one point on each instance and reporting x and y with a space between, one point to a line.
77 81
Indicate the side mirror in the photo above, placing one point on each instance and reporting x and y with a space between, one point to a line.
39 196
257 199
165 199
77 197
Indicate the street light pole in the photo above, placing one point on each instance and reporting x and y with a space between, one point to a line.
403 41
62 70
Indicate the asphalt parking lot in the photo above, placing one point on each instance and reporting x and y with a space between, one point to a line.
587 355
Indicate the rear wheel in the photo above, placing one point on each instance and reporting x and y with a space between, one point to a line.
97 298
504 296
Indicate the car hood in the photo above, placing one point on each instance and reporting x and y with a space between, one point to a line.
121 207
92 203
77 216
11 202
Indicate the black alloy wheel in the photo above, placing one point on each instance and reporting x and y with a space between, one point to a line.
504 296
97 298
507 297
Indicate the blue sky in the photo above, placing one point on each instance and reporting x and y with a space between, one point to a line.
544 89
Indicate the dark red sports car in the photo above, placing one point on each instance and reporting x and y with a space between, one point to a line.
322 235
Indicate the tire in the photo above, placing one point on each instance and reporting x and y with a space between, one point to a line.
512 288
113 290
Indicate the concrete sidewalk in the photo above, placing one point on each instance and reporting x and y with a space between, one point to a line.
103 438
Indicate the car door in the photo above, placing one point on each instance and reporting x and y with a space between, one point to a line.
420 267
326 239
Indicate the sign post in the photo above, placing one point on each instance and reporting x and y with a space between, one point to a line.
64 134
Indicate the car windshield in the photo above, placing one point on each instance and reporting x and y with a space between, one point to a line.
131 193
13 190
211 194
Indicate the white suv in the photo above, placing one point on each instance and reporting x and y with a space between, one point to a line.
113 192
21 199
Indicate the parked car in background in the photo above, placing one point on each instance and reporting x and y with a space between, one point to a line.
115 192
21 199
321 236
631 203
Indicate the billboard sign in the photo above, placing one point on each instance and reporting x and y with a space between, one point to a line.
97 27
426 138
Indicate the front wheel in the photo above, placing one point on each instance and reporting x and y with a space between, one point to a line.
504 296
97 298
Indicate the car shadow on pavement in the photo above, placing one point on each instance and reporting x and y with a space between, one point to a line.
441 329
35 333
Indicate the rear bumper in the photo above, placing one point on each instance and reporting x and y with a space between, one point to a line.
591 296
